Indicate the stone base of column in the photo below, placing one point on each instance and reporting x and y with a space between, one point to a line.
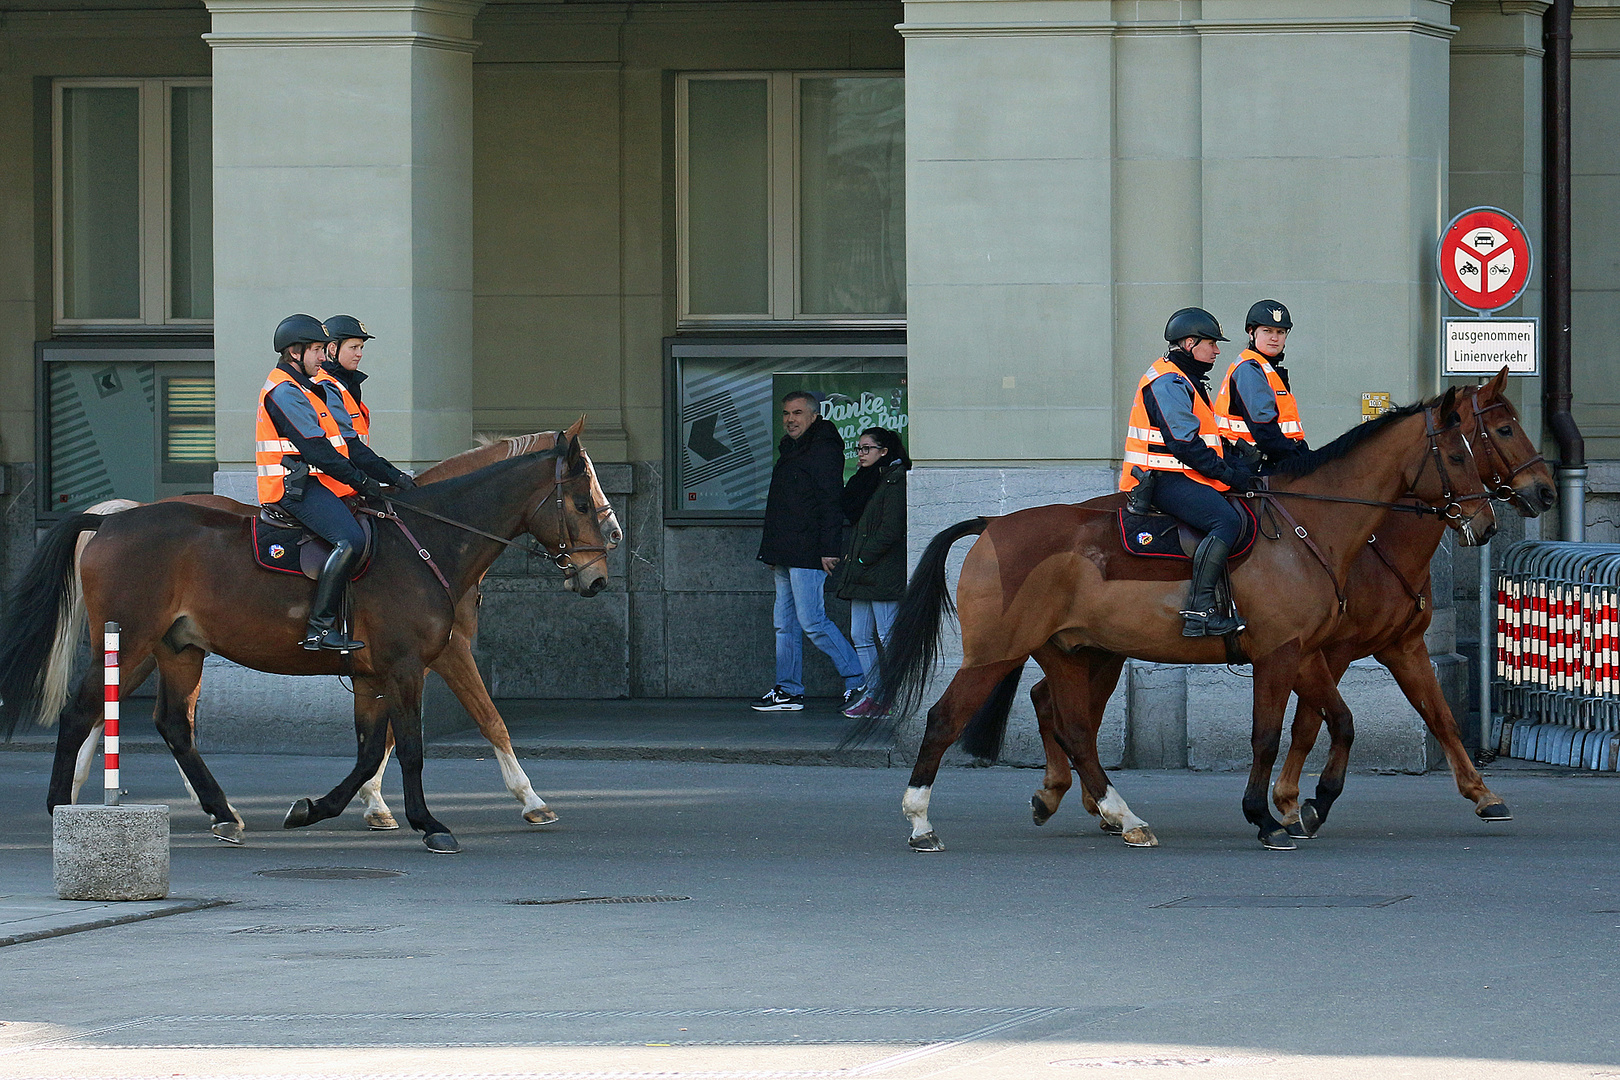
110 852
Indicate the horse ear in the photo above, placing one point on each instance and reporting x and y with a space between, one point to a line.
1494 388
576 427
576 453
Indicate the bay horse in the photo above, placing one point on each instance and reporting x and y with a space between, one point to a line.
1054 583
180 580
455 664
1388 612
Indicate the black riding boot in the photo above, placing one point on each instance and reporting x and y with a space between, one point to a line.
1204 614
322 634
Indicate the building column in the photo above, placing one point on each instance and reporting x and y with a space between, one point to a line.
343 184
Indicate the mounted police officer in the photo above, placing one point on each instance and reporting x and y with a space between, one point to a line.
1174 442
303 447
1255 409
342 370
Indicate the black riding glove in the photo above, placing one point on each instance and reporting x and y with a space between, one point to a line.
1241 479
403 481
371 488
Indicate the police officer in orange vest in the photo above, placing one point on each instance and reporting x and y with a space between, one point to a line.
342 371
303 446
1173 438
1255 406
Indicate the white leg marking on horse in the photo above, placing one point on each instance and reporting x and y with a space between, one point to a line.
191 790
517 781
915 806
371 790
1113 810
86 758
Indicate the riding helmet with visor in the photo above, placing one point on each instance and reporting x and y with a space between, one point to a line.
1273 313
344 327
300 330
1193 322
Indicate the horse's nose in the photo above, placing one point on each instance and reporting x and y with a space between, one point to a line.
1546 496
1486 533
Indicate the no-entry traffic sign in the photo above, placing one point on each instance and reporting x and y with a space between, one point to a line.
1484 259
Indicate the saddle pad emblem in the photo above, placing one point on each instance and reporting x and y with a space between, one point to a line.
1144 538
277 551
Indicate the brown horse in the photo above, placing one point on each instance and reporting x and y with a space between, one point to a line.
455 664
1387 614
1054 583
180 580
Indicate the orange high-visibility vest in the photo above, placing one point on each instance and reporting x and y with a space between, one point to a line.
1233 426
269 447
1144 443
359 413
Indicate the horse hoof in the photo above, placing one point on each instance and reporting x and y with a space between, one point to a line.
298 815
381 820
1110 828
1038 809
1277 840
928 841
1310 819
441 843
543 815
1141 836
228 831
1496 811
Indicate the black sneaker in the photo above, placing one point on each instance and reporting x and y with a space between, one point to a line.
779 700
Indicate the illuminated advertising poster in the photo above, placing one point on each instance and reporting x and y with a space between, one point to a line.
852 402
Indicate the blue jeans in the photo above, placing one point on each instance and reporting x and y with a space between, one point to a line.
869 623
801 608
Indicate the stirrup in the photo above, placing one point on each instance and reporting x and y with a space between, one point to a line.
1212 623
331 639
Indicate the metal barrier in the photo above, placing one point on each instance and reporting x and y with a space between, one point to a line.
1557 686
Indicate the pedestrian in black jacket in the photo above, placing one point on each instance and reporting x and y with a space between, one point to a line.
804 522
872 575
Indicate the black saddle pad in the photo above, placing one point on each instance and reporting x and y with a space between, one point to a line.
299 551
1160 536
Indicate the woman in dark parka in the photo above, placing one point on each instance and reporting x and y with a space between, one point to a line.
872 574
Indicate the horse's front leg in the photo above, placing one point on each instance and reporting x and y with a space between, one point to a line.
1274 677
371 741
460 672
404 697
1414 673
367 702
1318 688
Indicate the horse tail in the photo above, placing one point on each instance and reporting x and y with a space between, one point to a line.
983 734
906 661
41 628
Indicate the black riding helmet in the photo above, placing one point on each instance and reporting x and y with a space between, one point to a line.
1272 313
344 327
300 330
1193 322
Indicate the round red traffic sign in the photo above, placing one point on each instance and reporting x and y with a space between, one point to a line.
1484 259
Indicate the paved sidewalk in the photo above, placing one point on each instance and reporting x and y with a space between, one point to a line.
33 917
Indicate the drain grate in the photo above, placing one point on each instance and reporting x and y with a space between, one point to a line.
311 929
1282 901
601 900
1161 1061
330 873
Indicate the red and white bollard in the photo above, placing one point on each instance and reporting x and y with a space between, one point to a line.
109 646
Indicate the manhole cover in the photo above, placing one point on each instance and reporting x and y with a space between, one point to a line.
330 873
603 900
310 929
1282 901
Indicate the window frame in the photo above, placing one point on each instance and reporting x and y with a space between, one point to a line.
784 286
154 198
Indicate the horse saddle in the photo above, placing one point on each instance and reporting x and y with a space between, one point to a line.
283 544
1160 536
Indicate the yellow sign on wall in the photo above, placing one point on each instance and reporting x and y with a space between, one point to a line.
1373 405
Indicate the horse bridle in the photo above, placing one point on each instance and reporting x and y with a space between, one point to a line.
566 547
1498 461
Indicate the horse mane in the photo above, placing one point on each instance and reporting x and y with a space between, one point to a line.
1303 464
490 449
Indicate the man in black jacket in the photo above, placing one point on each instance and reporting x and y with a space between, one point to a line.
804 534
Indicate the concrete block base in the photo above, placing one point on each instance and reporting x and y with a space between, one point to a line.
110 852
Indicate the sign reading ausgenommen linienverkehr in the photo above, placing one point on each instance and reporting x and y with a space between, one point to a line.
1482 346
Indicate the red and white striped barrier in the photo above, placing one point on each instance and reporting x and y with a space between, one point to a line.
109 647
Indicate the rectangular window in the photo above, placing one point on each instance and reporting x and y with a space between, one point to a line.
791 191
133 164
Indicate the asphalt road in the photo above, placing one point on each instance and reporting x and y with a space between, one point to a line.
1422 942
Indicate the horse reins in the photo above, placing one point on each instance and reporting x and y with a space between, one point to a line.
566 547
1498 460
